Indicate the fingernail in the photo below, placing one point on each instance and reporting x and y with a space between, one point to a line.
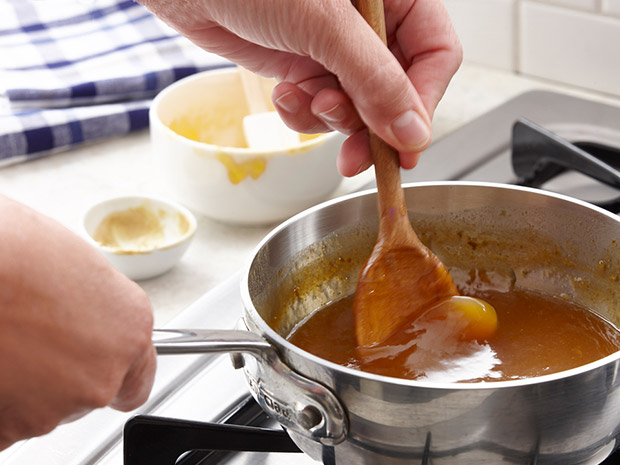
411 130
363 167
334 115
288 102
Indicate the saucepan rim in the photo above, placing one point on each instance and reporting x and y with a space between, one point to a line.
273 337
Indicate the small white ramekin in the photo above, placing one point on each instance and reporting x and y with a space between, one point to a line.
144 262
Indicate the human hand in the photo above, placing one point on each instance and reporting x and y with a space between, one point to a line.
75 334
334 72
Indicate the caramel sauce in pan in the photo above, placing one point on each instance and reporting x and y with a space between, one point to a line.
536 335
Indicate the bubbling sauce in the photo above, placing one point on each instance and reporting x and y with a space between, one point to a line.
536 335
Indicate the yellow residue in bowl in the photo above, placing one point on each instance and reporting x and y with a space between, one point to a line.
138 229
238 171
221 127
307 137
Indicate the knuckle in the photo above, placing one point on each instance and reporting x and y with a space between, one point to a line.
142 313
33 426
101 394
44 426
457 54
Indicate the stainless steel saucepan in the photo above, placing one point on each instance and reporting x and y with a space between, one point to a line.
524 238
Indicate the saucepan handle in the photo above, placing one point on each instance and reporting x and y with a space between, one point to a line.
201 341
297 402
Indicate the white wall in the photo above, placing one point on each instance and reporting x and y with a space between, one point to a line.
575 42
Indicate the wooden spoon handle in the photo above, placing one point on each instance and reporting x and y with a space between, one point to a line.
372 11
391 196
392 207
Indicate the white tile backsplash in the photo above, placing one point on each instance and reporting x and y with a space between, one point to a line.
575 42
586 5
477 21
570 47
611 7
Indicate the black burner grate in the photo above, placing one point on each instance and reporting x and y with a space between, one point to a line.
149 440
539 155
152 440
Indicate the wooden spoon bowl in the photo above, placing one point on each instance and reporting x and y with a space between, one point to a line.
402 277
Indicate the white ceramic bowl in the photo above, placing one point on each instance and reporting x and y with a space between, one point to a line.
233 184
142 237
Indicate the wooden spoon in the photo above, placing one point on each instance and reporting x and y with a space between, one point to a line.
263 129
402 277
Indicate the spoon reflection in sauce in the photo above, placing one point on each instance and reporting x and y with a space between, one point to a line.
447 343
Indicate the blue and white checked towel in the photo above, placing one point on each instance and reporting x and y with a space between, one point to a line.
75 71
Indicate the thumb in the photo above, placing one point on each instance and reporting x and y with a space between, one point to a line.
372 77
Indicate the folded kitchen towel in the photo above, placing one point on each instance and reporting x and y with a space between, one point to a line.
75 71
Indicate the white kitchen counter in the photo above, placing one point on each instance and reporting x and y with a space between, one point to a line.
64 185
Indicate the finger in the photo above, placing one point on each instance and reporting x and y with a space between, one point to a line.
354 156
428 41
409 160
336 110
212 37
255 57
285 61
330 108
293 106
376 82
137 383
